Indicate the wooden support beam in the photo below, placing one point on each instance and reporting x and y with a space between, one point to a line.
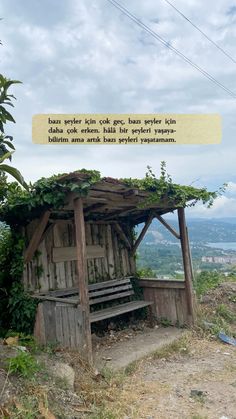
131 192
62 221
56 299
161 283
68 253
36 238
122 235
114 214
187 265
46 232
93 207
82 279
143 232
165 224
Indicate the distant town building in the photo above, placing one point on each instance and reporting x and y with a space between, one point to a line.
231 260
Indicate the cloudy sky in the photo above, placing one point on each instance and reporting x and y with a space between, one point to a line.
79 56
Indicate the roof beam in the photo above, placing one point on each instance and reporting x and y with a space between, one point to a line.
122 235
143 232
165 224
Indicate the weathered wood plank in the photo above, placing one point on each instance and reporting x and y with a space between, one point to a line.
155 283
116 248
91 287
35 239
63 254
169 302
58 299
110 290
111 297
97 260
82 277
90 262
49 321
117 310
59 327
122 235
39 326
60 276
187 264
65 326
143 232
110 255
165 224
103 243
108 284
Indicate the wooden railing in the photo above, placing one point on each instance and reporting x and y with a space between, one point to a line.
169 299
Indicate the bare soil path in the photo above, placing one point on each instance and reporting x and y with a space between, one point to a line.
130 347
200 384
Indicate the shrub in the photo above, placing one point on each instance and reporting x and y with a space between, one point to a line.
206 280
23 364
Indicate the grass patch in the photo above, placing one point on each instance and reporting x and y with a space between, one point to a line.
212 321
206 280
23 364
223 311
179 346
104 413
131 368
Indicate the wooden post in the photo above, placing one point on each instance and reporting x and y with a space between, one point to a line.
187 265
83 282
36 238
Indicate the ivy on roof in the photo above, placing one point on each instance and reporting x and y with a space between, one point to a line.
22 206
163 188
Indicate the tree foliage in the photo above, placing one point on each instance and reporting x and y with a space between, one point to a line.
6 146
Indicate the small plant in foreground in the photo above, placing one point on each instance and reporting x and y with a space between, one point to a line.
180 346
102 413
165 322
23 364
223 311
131 368
206 281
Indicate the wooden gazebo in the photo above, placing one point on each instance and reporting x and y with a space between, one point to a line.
88 242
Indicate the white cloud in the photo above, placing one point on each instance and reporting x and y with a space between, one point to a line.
87 57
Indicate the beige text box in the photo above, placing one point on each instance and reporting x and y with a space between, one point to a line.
126 129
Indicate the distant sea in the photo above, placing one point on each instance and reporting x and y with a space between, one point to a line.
224 246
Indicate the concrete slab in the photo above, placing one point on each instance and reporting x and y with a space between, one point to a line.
120 354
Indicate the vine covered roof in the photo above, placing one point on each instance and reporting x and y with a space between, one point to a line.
105 199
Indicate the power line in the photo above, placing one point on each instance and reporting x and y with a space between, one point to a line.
199 30
167 44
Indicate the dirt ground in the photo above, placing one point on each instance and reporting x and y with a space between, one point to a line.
181 375
191 378
197 385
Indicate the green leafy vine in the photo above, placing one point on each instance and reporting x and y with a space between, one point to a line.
20 206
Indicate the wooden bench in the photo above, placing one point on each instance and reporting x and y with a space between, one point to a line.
101 293
114 290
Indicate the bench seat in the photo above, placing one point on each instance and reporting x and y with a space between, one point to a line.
115 292
109 312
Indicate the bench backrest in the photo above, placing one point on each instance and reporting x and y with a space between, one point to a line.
110 290
98 293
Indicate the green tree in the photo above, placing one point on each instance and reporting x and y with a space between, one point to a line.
6 146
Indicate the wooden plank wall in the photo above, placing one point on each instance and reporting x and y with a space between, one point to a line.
58 323
43 274
169 300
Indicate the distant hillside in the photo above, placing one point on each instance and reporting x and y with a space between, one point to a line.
201 230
